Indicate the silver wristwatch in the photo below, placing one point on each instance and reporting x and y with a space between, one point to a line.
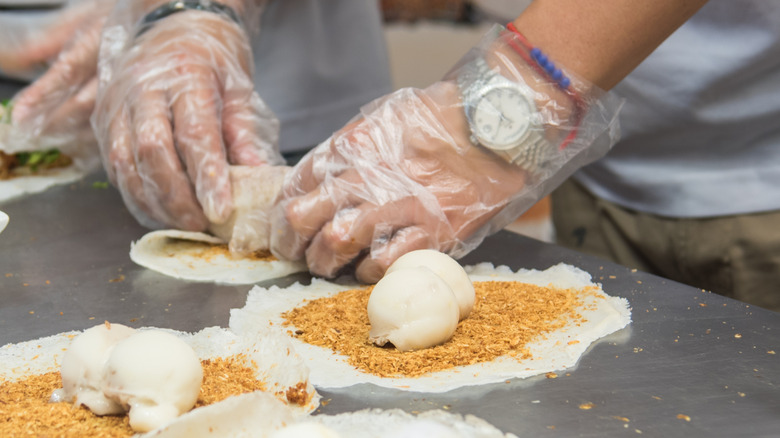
503 116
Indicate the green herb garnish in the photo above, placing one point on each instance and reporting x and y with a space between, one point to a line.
37 158
5 115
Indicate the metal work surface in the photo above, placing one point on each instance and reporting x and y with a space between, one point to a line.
690 364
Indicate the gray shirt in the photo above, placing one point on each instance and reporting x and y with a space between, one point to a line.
701 125
317 62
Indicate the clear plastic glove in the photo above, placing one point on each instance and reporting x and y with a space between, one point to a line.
54 110
31 41
176 105
405 175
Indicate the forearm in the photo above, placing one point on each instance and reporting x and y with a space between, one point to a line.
602 40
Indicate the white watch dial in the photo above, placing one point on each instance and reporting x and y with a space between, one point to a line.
502 117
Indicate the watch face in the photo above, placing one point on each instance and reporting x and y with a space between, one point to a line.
502 117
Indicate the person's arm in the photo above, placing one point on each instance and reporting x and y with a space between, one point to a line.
602 40
55 108
409 173
176 106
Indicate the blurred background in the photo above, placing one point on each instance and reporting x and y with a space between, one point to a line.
426 38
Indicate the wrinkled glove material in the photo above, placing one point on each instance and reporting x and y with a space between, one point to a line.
176 106
405 175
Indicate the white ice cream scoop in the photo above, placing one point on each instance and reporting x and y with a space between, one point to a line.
445 267
83 364
155 375
412 308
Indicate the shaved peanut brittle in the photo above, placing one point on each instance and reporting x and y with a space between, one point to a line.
506 317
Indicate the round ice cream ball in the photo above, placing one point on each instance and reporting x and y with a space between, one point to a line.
445 267
412 308
307 429
155 375
82 368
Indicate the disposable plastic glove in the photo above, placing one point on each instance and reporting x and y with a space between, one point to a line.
176 105
405 175
54 110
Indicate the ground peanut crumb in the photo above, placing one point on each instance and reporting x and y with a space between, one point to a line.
506 317
297 394
225 377
25 409
211 251
208 251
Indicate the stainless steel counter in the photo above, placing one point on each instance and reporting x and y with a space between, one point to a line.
710 360
690 364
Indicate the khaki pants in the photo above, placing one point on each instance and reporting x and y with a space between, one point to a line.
735 256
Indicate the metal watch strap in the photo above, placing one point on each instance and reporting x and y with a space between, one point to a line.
473 76
176 6
535 150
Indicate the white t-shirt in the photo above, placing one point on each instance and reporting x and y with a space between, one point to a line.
317 62
701 124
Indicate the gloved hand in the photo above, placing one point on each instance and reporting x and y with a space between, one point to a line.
54 110
405 175
176 105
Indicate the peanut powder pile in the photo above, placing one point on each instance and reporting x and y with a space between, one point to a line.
507 316
25 409
208 251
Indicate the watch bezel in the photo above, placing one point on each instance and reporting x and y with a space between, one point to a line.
531 150
481 94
